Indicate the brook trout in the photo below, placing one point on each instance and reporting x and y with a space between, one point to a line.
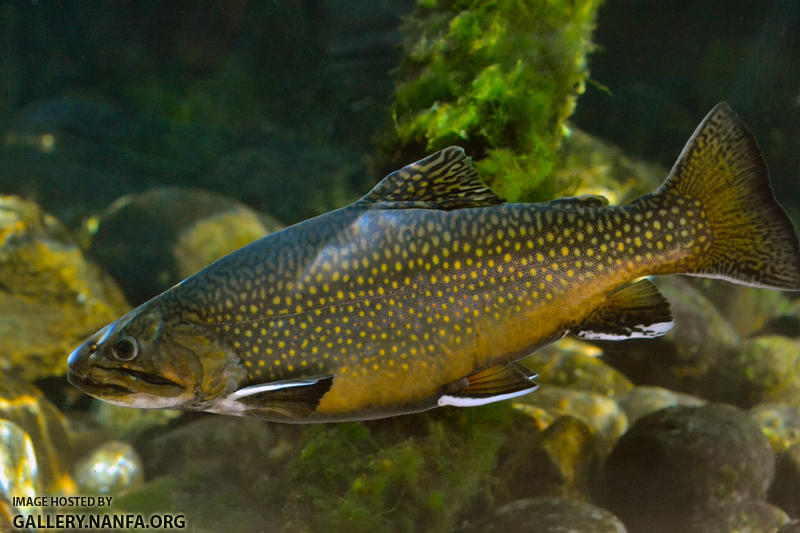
426 291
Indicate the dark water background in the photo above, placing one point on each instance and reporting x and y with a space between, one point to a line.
160 93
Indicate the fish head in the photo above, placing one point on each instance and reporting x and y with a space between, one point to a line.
152 359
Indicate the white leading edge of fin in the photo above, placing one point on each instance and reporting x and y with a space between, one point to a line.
644 332
230 404
461 401
272 386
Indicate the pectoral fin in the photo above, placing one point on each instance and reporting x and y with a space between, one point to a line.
490 385
635 310
287 400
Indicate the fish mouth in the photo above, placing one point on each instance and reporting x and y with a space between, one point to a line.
103 382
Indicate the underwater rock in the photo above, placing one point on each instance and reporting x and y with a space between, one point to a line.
748 309
779 422
126 423
575 452
575 364
561 461
112 467
18 469
24 406
643 400
525 468
219 461
599 167
52 296
152 240
739 517
549 515
693 357
790 527
703 355
766 370
680 461
600 413
203 448
785 489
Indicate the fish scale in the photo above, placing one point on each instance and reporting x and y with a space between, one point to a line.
352 309
428 290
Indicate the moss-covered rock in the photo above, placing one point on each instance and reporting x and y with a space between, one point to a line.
549 515
643 400
780 422
52 297
561 461
766 371
575 452
152 240
600 413
575 364
499 78
683 461
405 474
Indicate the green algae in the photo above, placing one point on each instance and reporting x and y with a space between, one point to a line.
499 78
409 474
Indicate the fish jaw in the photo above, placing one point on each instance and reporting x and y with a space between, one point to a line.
179 364
118 385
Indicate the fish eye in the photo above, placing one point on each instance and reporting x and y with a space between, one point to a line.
125 348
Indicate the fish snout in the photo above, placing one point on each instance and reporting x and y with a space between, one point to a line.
79 359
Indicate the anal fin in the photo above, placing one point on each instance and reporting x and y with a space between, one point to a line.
635 310
287 400
492 384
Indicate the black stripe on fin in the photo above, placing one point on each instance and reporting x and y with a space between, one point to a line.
492 384
635 310
444 180
288 400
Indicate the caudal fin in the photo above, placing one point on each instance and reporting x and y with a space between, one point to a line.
752 240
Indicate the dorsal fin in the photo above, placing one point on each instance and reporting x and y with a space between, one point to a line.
444 180
635 310
584 200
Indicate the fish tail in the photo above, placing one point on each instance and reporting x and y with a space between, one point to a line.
721 174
